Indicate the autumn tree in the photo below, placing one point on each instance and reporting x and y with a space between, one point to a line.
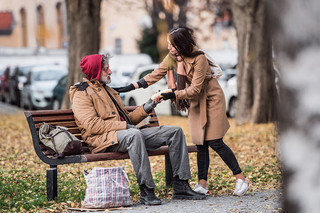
161 14
83 18
257 95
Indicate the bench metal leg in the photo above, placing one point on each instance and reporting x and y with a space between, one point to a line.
52 187
169 173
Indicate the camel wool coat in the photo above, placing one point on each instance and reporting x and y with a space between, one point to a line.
97 116
207 112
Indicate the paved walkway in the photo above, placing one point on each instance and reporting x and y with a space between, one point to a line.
8 109
267 201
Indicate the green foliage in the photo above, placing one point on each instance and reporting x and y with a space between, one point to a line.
148 43
21 189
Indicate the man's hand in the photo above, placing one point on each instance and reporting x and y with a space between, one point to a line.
130 126
125 88
168 95
149 105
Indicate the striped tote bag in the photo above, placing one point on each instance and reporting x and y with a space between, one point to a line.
106 188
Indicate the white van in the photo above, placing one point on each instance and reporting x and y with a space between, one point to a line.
125 65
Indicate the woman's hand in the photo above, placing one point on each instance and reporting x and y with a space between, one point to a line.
176 57
168 95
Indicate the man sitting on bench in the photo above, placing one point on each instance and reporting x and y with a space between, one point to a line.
108 127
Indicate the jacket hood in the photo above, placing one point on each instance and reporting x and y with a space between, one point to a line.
91 66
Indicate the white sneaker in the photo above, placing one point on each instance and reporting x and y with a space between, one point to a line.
200 189
241 187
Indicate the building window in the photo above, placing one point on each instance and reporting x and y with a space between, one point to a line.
118 46
41 27
24 30
6 23
60 23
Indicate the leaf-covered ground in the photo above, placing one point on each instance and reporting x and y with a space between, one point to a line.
23 175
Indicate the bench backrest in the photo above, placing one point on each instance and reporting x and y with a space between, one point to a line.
65 118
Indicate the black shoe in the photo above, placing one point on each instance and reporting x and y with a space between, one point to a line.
147 196
182 190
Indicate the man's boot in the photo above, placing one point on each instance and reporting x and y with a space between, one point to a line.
147 196
182 190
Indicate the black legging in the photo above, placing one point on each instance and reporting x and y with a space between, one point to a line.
223 151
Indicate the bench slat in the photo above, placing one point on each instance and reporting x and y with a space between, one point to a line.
57 118
68 124
50 112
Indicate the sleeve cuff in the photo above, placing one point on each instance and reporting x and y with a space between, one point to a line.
142 83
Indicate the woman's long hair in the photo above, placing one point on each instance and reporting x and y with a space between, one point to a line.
183 41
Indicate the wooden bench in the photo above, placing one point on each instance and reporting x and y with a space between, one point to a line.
66 118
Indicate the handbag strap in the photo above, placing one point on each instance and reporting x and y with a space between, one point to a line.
58 155
67 132
126 176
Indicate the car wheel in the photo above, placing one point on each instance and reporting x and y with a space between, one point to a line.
55 104
232 107
7 98
132 102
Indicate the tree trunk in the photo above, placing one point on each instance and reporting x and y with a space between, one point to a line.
182 4
84 38
257 95
296 40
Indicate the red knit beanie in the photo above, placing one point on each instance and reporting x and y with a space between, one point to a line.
91 66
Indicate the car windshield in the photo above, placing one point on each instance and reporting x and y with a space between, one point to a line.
23 71
48 75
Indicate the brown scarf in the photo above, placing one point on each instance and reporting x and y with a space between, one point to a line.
182 104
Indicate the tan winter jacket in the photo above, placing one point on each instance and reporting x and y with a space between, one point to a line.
96 114
207 112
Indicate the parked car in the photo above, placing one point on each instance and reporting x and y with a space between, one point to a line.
124 65
4 90
37 92
59 90
16 83
2 69
230 91
140 96
228 83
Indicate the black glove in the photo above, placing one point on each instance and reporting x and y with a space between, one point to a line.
125 88
141 83
168 95
149 105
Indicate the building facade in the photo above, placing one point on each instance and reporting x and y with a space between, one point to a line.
42 23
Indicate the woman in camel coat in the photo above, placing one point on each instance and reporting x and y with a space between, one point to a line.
199 92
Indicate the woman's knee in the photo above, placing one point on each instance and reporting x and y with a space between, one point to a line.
201 148
216 144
